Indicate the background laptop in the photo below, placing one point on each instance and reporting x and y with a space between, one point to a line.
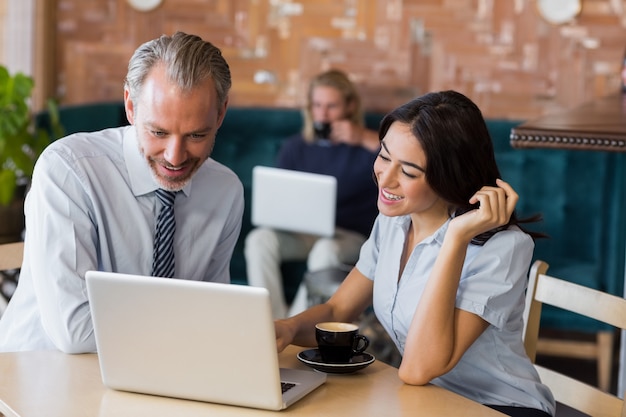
189 339
294 201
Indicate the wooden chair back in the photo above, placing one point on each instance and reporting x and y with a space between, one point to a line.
11 255
545 289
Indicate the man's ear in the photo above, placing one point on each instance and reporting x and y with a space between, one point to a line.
221 113
129 107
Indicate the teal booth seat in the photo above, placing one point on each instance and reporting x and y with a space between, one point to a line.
580 194
87 117
249 137
252 136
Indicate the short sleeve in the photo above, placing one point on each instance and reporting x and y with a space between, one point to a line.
494 277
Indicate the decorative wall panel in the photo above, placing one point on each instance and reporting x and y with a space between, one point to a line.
501 53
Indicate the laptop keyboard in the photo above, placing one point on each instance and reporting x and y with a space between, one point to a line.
286 386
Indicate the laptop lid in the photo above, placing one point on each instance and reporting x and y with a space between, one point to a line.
189 339
294 201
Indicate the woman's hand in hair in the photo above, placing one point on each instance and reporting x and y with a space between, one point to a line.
495 207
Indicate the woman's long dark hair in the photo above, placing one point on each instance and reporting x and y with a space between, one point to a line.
459 151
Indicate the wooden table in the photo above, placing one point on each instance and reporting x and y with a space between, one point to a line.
48 383
598 126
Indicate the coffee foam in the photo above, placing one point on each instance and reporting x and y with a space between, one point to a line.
337 326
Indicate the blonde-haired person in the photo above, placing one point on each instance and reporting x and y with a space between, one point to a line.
348 154
333 98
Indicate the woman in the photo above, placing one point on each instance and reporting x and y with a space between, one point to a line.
446 262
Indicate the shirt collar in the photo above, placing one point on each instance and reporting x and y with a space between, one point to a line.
141 180
441 232
405 221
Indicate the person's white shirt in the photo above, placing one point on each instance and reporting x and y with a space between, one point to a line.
92 206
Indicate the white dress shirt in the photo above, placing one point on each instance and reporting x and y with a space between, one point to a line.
92 205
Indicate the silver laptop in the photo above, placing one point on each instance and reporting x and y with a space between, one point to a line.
294 201
193 340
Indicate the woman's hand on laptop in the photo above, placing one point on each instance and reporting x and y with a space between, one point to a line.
284 334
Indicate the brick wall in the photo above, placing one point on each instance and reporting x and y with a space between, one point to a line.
498 52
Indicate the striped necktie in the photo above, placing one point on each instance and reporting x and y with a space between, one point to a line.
163 258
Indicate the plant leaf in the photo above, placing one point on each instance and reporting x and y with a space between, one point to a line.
7 186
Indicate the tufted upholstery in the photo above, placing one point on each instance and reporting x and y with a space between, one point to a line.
580 194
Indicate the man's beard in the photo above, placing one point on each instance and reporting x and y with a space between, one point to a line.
174 183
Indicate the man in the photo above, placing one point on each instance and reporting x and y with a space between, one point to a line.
347 151
93 203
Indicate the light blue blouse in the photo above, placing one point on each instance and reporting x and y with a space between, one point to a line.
92 206
495 369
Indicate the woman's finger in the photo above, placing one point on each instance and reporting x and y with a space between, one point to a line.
511 196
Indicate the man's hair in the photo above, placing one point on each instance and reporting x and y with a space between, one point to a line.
188 61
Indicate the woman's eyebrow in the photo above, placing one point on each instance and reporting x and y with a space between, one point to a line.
411 164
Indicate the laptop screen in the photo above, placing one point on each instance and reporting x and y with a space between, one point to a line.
294 201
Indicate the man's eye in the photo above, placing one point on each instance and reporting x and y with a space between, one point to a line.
158 133
196 137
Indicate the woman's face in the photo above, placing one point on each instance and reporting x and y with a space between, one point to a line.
327 104
400 170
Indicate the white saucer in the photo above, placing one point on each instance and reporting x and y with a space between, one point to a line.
313 358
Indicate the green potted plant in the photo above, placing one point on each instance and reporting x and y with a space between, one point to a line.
21 142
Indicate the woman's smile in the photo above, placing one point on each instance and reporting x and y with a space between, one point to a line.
389 197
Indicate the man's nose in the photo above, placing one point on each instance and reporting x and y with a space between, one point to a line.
175 153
